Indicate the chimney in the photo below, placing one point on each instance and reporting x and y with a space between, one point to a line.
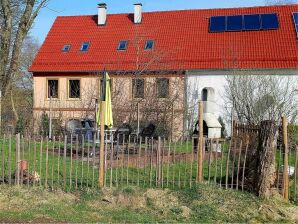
138 13
102 14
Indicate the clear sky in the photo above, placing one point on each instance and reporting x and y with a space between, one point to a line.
56 8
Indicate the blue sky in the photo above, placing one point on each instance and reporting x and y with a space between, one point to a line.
56 8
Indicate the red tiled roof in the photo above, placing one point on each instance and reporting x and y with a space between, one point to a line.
182 42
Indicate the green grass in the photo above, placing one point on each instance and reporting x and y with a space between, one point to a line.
138 205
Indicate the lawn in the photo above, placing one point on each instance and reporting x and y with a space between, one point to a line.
139 205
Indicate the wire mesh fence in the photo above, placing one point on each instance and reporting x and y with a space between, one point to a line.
72 162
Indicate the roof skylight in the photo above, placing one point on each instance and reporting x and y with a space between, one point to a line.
149 44
66 48
122 45
85 46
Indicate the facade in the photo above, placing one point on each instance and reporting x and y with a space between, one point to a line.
160 62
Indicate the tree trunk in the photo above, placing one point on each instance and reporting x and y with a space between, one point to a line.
266 176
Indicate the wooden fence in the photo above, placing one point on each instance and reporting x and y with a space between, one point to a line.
72 162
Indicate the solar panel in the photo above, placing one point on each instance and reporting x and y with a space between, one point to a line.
217 24
252 22
295 17
234 23
269 21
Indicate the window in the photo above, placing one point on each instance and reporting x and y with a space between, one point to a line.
204 95
138 88
52 88
85 46
295 17
162 88
74 88
149 44
122 45
66 48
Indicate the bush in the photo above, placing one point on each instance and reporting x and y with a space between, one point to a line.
44 125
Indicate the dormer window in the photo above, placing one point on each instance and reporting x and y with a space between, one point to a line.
149 44
85 46
122 45
66 48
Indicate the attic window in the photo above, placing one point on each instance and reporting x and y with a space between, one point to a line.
66 48
122 45
149 44
85 46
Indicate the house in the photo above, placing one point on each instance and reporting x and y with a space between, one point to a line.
156 59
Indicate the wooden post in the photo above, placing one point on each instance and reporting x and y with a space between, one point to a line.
138 118
0 112
286 158
102 146
200 145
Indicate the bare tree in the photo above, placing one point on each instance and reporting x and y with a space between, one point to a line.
16 19
261 97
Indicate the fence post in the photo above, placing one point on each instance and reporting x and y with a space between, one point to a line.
102 146
200 145
286 158
0 112
18 148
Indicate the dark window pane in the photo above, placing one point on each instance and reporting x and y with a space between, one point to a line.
252 22
234 23
217 24
85 46
162 87
122 45
269 21
66 48
53 88
74 89
149 44
204 95
138 88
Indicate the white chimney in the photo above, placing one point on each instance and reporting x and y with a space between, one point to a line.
138 13
102 14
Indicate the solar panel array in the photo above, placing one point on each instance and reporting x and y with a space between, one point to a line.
244 22
295 17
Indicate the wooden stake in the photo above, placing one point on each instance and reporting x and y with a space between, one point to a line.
70 168
47 164
9 161
64 162
58 165
102 146
200 145
286 158
82 162
168 162
111 161
238 166
88 160
34 163
53 160
215 173
227 164
77 160
3 156
93 159
244 164
296 173
191 164
40 161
